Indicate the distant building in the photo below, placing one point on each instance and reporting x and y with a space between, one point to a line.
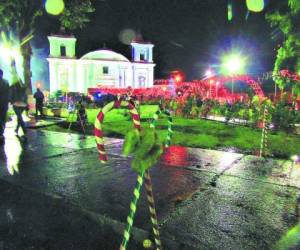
100 68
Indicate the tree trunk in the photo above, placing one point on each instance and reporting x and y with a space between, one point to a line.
26 53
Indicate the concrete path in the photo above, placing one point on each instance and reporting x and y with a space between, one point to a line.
56 195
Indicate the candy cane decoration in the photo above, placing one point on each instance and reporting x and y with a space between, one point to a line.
266 132
264 135
150 198
139 183
148 183
133 203
170 123
98 124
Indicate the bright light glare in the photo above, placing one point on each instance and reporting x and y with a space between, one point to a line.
12 156
178 78
9 53
208 73
229 12
295 158
255 5
54 7
233 64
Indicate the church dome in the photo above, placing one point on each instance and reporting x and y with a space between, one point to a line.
104 55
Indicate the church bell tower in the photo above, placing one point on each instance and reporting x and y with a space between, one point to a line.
142 51
62 46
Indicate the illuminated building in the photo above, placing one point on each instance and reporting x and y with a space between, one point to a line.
100 68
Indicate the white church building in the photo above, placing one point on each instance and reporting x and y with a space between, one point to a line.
100 68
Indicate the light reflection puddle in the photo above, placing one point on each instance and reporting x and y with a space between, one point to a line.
13 151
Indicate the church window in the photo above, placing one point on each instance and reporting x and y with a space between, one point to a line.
142 80
105 70
142 57
63 50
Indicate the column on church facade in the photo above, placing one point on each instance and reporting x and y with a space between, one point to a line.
75 70
126 73
122 77
147 82
70 71
86 75
150 55
53 69
133 75
150 77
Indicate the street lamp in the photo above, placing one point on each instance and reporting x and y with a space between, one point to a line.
178 78
208 73
233 64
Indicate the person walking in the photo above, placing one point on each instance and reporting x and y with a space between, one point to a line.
18 99
81 113
4 98
39 102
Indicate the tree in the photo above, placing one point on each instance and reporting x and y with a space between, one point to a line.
288 55
19 17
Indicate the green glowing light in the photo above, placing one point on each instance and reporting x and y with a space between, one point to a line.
54 7
147 243
26 39
233 64
255 5
10 53
229 12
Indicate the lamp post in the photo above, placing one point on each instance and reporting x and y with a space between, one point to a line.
233 64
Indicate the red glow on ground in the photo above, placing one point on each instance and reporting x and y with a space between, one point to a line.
175 156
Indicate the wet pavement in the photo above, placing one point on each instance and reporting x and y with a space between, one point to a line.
55 194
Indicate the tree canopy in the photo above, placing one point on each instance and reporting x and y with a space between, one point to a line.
19 19
287 20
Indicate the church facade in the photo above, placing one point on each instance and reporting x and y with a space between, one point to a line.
101 68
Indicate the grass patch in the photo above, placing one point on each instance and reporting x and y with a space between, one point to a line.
199 133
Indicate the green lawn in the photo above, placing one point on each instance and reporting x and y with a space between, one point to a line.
200 133
115 115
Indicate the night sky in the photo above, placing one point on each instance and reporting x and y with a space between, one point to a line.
188 35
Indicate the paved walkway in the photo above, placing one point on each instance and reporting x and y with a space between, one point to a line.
56 195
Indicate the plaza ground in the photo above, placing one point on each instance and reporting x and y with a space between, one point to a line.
55 194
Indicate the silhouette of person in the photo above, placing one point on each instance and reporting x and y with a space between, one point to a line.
4 98
18 99
39 101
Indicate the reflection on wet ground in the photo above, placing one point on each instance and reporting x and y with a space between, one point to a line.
57 176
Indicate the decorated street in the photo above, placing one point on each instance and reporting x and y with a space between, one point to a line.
55 194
